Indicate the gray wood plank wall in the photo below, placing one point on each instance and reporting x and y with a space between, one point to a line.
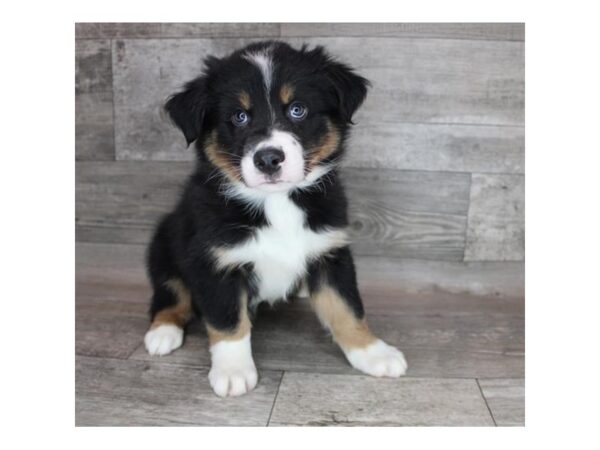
436 161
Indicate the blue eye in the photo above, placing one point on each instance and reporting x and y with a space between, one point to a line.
297 111
240 118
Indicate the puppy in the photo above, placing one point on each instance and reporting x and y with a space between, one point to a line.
263 217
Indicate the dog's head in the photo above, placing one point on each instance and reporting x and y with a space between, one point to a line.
269 117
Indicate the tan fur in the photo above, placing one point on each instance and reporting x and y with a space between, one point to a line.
178 314
216 155
286 93
326 147
245 100
333 312
242 329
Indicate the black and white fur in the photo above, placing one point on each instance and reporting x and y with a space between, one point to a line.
262 229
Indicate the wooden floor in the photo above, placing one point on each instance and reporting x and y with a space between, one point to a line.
465 351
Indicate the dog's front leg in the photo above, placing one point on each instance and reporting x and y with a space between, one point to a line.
336 300
224 305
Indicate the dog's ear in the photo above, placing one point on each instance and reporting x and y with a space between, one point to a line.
187 108
349 87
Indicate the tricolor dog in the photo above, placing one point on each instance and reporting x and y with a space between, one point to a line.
263 217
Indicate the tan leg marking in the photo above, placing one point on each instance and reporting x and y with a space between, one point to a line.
219 158
244 98
334 313
243 327
178 314
286 93
328 145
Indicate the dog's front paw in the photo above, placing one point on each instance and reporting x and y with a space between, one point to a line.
378 359
233 371
232 381
163 339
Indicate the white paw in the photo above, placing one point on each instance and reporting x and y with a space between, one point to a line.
233 381
163 339
233 371
378 359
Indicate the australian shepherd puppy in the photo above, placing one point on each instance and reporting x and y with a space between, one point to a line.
264 215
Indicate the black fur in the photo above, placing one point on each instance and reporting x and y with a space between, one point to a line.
205 217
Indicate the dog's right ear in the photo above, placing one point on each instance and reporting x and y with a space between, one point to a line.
187 108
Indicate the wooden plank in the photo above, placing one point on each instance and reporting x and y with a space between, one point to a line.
407 214
415 81
486 31
124 197
456 148
94 130
105 328
342 400
93 72
385 282
133 393
175 30
506 399
496 229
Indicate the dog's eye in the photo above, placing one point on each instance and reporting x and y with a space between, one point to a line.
240 118
297 111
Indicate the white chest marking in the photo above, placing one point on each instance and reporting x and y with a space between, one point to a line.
280 251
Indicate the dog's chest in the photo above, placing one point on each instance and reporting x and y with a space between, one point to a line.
281 251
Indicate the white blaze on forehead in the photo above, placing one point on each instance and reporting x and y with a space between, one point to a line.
264 62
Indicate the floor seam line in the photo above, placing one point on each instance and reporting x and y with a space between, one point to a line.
486 402
275 398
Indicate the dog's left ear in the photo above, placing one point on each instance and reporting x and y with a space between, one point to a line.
350 88
187 109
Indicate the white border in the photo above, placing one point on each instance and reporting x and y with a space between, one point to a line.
562 223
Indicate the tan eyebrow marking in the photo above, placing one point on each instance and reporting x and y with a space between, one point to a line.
244 98
286 93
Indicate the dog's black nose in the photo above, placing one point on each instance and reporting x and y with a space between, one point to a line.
268 160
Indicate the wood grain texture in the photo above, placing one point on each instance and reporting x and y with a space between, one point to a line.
121 202
404 214
419 88
496 229
93 71
340 400
94 127
175 30
486 31
506 399
134 393
438 147
407 214
105 328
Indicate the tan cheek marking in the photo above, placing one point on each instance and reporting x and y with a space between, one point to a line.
333 312
244 98
286 93
243 327
178 314
219 159
328 145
